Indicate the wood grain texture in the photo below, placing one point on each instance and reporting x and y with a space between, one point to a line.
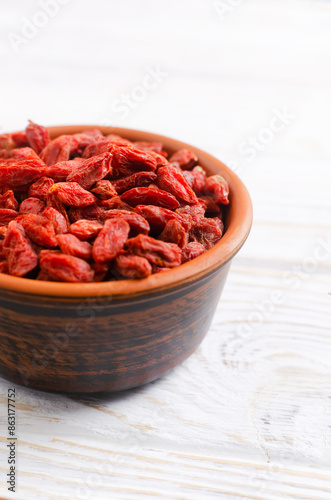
248 415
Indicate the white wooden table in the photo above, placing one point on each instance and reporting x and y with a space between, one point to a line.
248 416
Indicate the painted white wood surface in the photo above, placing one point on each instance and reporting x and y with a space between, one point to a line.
248 416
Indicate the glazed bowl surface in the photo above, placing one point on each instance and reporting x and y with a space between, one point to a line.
110 336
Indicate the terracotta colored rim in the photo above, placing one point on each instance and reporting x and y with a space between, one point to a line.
240 221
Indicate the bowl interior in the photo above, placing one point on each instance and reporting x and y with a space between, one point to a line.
237 224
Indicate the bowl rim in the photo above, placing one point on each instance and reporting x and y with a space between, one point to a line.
240 216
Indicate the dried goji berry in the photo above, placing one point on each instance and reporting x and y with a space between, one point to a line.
104 190
39 229
184 158
157 147
97 148
84 139
72 194
114 203
192 250
6 141
37 136
217 187
100 271
21 257
60 170
59 222
174 233
196 179
118 139
21 173
211 207
40 188
207 232
110 240
157 217
140 179
92 212
132 266
127 160
91 170
85 229
71 245
8 200
23 154
62 267
6 215
150 196
57 150
196 212
20 139
32 206
157 252
172 180
137 223
54 202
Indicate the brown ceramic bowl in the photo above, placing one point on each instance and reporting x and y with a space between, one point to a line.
95 337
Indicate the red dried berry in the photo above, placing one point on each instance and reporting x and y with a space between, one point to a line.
114 203
85 229
217 187
137 223
174 233
92 212
62 267
71 245
37 136
32 206
59 222
97 148
132 266
157 147
211 207
7 215
21 257
104 190
60 170
140 179
207 232
110 240
72 194
91 170
39 229
172 180
100 271
127 160
149 196
24 154
21 173
184 158
192 250
157 252
6 141
20 139
157 217
195 212
58 150
8 200
40 188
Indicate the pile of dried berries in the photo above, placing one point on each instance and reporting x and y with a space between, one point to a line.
88 207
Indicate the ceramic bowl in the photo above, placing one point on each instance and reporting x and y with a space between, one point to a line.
110 336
